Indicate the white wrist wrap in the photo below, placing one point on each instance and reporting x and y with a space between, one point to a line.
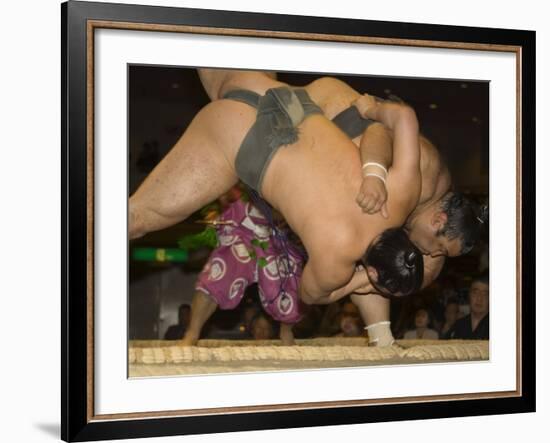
380 334
372 174
381 166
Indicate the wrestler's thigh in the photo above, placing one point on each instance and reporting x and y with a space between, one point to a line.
200 167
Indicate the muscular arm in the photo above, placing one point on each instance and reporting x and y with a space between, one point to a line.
375 309
401 120
359 280
375 147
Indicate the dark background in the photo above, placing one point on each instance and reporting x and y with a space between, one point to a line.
454 115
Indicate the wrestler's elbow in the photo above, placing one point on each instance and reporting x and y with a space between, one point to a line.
310 296
318 297
407 117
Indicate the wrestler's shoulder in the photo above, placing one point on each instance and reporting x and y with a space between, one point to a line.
343 237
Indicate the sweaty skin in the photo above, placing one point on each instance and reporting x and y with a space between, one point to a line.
313 182
334 96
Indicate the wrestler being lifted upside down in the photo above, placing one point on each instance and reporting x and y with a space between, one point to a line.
277 140
444 223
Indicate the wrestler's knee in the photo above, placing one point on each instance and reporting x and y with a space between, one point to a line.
143 219
136 227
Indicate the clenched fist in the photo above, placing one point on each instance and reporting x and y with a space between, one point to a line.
372 196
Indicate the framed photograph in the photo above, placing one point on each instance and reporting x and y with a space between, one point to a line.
180 313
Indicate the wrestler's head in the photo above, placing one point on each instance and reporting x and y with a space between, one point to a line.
449 227
394 264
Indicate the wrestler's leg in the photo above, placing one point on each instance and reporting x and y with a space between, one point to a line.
286 335
198 169
218 81
202 308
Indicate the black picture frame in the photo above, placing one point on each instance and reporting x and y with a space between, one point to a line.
77 420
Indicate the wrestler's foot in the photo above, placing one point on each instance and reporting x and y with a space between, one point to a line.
189 340
288 341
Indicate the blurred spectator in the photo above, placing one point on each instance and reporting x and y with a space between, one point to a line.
351 324
451 315
250 311
330 322
476 324
422 323
261 327
334 313
447 293
176 332
348 308
307 326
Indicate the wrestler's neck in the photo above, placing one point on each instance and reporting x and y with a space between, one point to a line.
423 208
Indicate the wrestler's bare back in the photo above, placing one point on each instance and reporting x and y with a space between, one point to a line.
313 182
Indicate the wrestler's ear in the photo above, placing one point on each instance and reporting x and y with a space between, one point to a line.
373 274
439 220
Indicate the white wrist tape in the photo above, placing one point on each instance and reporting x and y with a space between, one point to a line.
380 334
372 174
381 166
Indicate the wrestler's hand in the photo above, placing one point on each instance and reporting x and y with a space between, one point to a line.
365 104
372 196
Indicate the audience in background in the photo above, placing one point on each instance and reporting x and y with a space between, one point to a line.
422 330
451 315
177 331
350 323
261 327
308 326
476 324
448 292
342 318
351 326
330 321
